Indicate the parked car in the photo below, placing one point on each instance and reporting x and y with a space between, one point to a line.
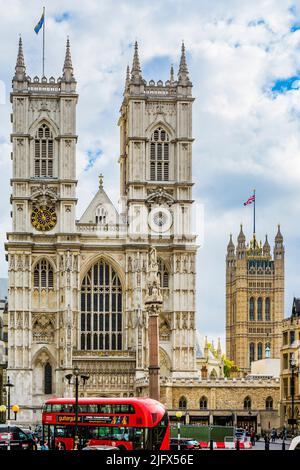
111 448
16 437
185 443
295 444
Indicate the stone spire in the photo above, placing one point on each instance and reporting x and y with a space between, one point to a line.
68 67
278 248
230 247
279 237
230 243
127 80
266 247
172 74
241 237
183 73
20 64
241 246
136 73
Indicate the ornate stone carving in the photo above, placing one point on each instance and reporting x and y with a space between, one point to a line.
44 195
43 328
160 196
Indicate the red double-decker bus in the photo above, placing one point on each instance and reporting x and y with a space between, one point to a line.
127 423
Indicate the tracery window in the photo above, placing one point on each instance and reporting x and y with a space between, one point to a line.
43 152
159 155
163 273
43 275
101 309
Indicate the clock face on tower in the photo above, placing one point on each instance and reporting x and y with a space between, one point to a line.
43 218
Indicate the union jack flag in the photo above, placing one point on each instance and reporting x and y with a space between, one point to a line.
250 200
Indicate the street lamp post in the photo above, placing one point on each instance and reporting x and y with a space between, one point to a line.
78 376
178 416
8 385
293 366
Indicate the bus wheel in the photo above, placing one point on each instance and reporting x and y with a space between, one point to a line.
121 447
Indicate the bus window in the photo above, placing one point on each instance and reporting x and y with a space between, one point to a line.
47 408
56 408
64 431
82 408
104 408
92 409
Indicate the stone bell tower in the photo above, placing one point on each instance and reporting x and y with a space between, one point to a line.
156 189
254 299
42 260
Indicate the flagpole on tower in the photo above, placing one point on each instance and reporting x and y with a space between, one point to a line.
254 213
44 42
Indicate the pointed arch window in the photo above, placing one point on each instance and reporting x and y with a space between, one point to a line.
251 309
43 152
269 403
259 309
252 352
203 403
259 351
101 215
101 309
43 275
163 273
247 403
182 403
159 155
48 379
268 309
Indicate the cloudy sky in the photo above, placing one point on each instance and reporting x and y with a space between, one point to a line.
244 61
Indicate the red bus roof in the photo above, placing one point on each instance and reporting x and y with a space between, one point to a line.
149 402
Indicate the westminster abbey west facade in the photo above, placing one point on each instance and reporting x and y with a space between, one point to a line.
77 287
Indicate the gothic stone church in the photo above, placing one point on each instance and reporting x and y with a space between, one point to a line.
77 287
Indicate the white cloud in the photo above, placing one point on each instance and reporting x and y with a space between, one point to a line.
245 136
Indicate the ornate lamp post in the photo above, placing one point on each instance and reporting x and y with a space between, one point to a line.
77 375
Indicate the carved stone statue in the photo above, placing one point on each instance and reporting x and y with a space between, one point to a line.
153 282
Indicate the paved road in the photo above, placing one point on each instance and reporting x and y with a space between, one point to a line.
260 445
